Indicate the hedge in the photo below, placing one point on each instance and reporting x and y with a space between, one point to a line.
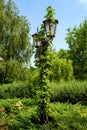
72 92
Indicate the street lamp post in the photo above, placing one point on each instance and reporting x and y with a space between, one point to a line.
42 46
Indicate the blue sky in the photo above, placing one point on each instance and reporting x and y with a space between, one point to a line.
68 12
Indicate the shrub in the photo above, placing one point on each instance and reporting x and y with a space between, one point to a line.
71 92
17 90
63 116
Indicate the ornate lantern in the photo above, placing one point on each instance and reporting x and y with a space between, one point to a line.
36 43
50 27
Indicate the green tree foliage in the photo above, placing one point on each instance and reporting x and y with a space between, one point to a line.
15 46
77 41
14 33
61 70
63 54
34 76
11 71
61 67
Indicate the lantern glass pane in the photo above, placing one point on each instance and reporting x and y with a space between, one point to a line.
47 27
56 22
52 30
38 44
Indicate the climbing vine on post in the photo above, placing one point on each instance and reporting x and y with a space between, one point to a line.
42 60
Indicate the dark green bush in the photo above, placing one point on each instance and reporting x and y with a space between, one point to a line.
17 90
71 92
